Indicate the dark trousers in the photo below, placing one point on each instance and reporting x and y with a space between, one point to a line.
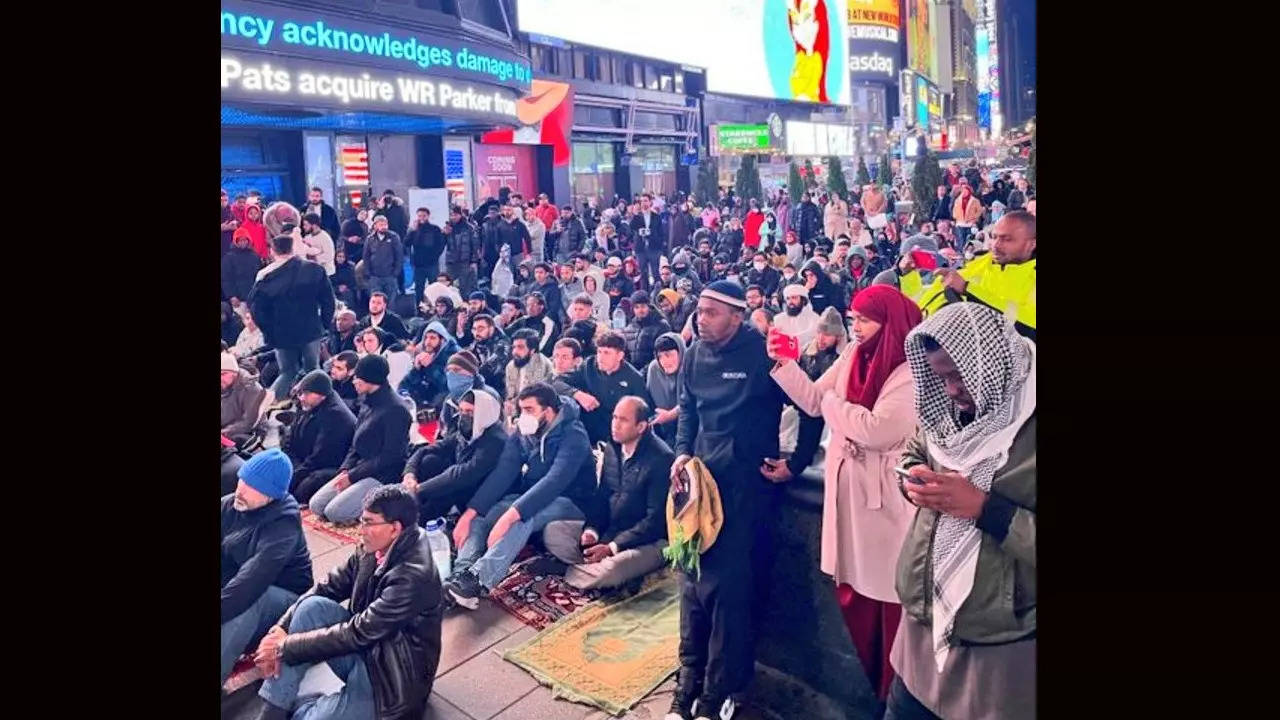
904 706
436 495
304 486
872 626
649 263
422 277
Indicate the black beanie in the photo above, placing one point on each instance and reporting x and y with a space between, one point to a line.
316 381
640 297
373 369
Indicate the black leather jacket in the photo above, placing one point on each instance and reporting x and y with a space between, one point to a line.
396 612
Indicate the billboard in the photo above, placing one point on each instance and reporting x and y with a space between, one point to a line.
982 49
882 13
920 31
873 41
779 49
873 60
922 102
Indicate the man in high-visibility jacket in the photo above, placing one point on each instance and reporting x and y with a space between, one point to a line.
1003 279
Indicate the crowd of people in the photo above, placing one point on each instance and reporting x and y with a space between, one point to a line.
551 372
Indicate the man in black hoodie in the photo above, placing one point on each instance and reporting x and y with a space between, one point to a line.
292 302
320 437
342 371
377 448
729 415
424 243
448 472
265 563
623 536
645 327
601 381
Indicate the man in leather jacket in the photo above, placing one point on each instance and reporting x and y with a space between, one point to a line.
387 647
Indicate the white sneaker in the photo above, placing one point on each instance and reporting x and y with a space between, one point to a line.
727 709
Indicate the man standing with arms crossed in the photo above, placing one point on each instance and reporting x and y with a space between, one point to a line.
729 414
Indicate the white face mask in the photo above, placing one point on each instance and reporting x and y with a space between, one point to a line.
527 424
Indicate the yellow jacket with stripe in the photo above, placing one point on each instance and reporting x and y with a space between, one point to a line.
1010 289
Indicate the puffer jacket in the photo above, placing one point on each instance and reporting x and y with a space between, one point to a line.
556 464
1001 607
462 244
396 612
384 256
426 385
640 336
632 511
240 404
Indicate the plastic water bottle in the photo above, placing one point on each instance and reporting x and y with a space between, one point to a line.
439 542
619 319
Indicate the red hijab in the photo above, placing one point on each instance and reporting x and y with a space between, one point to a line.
874 359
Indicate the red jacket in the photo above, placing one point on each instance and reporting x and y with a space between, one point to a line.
257 236
751 229
548 215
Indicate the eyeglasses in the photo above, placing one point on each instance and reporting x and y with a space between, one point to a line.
368 523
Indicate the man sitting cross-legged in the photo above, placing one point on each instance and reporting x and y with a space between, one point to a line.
626 540
546 473
385 648
265 564
448 471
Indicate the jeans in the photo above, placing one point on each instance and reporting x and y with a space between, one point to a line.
342 507
388 285
295 362
355 701
491 565
244 631
962 236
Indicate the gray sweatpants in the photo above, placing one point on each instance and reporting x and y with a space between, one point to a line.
562 539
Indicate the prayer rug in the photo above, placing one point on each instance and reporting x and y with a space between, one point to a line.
349 535
538 600
609 654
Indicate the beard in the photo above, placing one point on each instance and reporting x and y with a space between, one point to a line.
521 361
794 311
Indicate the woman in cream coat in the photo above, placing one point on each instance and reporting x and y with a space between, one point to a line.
868 403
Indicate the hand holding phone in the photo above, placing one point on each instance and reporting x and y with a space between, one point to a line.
907 476
782 346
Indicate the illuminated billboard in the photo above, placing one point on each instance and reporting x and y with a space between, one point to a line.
873 41
779 49
882 13
920 31
982 48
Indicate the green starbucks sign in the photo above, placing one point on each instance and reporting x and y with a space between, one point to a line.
742 138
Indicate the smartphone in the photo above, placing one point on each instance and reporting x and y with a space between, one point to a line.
905 475
788 345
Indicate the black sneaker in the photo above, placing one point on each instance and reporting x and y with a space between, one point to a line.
466 590
711 709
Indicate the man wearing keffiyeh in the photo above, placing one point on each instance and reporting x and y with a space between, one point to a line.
966 575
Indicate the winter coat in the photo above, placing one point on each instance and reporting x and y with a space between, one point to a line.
380 440
558 463
680 229
425 244
835 218
257 233
640 336
462 244
321 437
768 279
1001 607
862 510
384 255
632 507
608 389
397 217
390 323
240 267
328 218
547 328
426 385
318 248
571 238
538 369
825 294
344 274
654 240
466 462
240 404
494 354
537 237
292 302
665 388
942 209
396 613
807 222
512 234
966 216
874 202
261 548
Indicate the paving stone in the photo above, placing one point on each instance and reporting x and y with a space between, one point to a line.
440 709
317 543
486 684
539 705
322 564
465 634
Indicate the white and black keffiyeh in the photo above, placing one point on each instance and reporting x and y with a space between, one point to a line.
998 368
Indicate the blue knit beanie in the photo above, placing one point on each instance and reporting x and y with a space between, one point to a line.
268 472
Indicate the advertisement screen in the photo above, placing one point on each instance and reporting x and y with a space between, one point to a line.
983 48
922 102
873 60
920 38
781 49
883 13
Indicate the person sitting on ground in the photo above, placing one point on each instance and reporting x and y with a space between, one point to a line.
566 358
372 341
602 381
973 477
377 448
800 321
462 374
343 336
644 328
492 348
320 436
528 367
241 398
240 268
383 318
583 326
546 473
426 383
663 381
265 563
539 321
448 472
386 648
250 341
342 371
623 540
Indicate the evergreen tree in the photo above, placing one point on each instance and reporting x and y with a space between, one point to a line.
925 179
886 170
836 184
863 177
747 184
707 188
1031 161
810 177
795 184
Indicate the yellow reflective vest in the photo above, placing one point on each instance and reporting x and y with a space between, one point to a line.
1010 289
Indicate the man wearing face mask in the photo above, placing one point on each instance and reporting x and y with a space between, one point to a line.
462 374
799 320
763 275
265 563
546 473
448 472
681 267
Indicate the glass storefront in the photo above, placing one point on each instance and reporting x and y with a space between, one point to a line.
659 163
592 172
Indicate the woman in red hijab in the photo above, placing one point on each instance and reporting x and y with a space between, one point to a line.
256 231
866 398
